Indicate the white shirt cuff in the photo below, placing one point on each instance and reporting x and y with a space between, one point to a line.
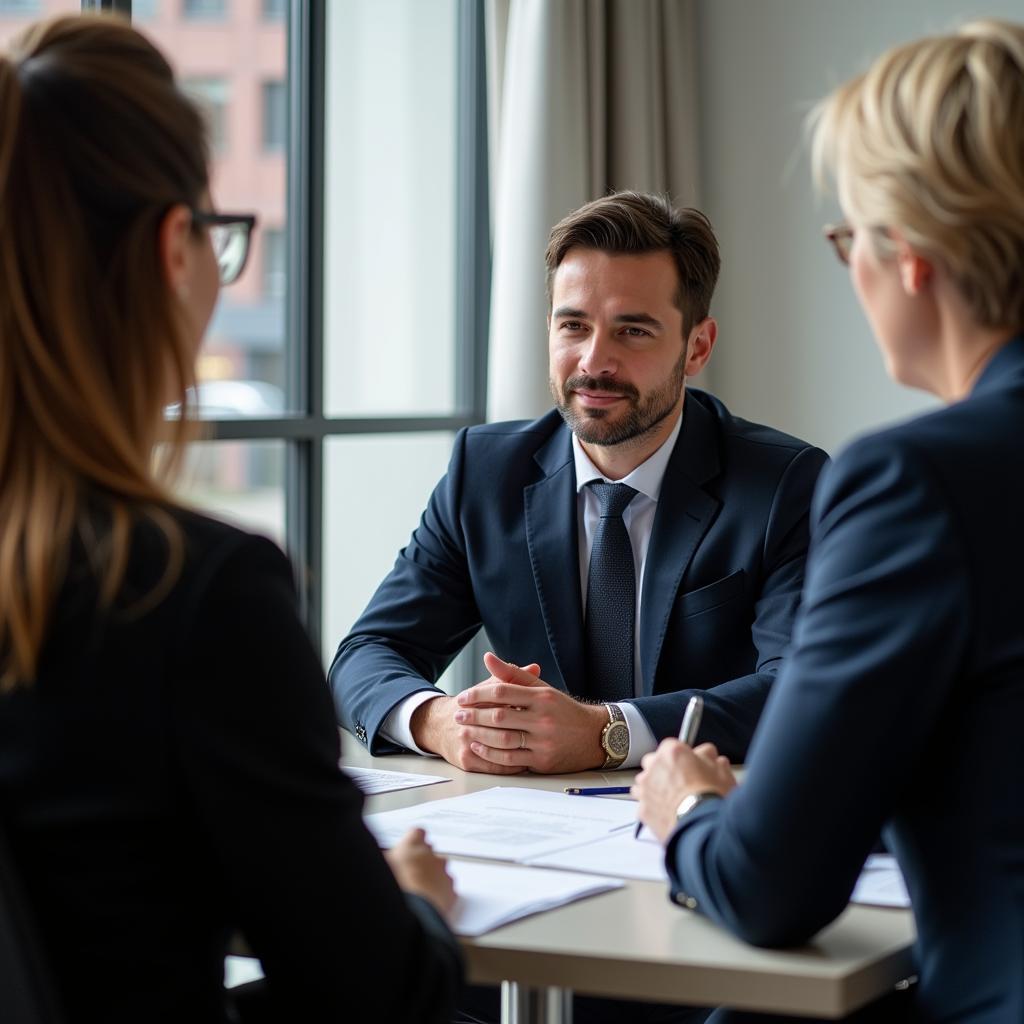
641 739
397 726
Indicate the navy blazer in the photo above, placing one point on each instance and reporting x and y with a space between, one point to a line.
901 702
497 546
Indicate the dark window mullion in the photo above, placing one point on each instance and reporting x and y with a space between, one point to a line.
306 428
473 235
304 463
120 6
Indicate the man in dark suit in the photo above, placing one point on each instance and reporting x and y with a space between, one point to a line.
633 547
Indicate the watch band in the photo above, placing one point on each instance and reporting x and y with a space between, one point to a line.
692 800
616 724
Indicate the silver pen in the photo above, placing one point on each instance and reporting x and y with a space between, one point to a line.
687 733
691 721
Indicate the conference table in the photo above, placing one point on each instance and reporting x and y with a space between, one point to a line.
634 943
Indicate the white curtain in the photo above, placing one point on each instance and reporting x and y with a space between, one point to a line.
585 96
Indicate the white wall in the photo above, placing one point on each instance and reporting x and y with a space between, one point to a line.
794 349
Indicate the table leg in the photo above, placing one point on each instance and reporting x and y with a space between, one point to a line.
523 1005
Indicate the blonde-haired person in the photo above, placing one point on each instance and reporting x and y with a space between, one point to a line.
168 754
902 701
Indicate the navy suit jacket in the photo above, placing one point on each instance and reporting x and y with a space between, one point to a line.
901 702
497 546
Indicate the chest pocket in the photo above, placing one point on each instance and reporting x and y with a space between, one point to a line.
711 596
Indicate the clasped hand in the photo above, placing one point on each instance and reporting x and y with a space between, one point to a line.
513 722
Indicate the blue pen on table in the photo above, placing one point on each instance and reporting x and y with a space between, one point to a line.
687 734
595 790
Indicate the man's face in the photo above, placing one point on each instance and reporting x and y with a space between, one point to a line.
616 344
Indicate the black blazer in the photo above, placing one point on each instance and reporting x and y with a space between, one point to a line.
172 777
902 702
497 546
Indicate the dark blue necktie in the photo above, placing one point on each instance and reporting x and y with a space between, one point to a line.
611 599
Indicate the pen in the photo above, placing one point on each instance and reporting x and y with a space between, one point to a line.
687 734
595 790
691 721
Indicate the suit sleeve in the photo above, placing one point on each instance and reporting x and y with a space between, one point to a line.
259 751
881 637
733 708
421 616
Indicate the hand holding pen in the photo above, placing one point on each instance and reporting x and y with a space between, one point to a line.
687 734
675 779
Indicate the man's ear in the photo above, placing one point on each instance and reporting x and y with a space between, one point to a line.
915 271
175 253
699 345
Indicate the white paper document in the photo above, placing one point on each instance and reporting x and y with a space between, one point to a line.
490 895
505 823
375 780
881 883
618 855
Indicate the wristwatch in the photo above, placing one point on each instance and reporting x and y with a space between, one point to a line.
692 800
614 738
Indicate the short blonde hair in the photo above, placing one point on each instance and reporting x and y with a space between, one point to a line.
930 141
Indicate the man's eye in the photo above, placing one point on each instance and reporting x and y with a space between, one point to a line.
572 325
637 332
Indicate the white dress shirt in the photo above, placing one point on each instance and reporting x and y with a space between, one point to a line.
638 518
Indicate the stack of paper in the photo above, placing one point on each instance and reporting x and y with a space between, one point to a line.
618 855
375 780
491 895
505 823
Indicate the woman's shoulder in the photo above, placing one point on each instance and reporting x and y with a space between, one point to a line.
952 463
967 437
208 537
185 553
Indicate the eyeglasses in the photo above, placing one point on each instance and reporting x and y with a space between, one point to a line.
841 237
229 235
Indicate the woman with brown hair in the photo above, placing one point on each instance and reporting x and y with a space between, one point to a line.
168 755
900 705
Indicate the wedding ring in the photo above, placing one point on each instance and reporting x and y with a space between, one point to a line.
522 740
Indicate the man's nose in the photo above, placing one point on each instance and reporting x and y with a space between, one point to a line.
598 358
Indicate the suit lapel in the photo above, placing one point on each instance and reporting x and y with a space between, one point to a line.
684 513
552 536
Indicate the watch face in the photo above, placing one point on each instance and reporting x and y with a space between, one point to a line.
616 739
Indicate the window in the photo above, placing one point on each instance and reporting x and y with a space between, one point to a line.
274 263
212 96
403 469
19 8
243 363
204 10
275 115
241 481
391 208
16 14
403 313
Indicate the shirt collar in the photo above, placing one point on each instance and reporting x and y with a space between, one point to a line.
646 478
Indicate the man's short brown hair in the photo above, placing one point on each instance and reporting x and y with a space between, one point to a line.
634 222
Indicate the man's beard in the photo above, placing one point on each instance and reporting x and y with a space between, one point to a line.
592 426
